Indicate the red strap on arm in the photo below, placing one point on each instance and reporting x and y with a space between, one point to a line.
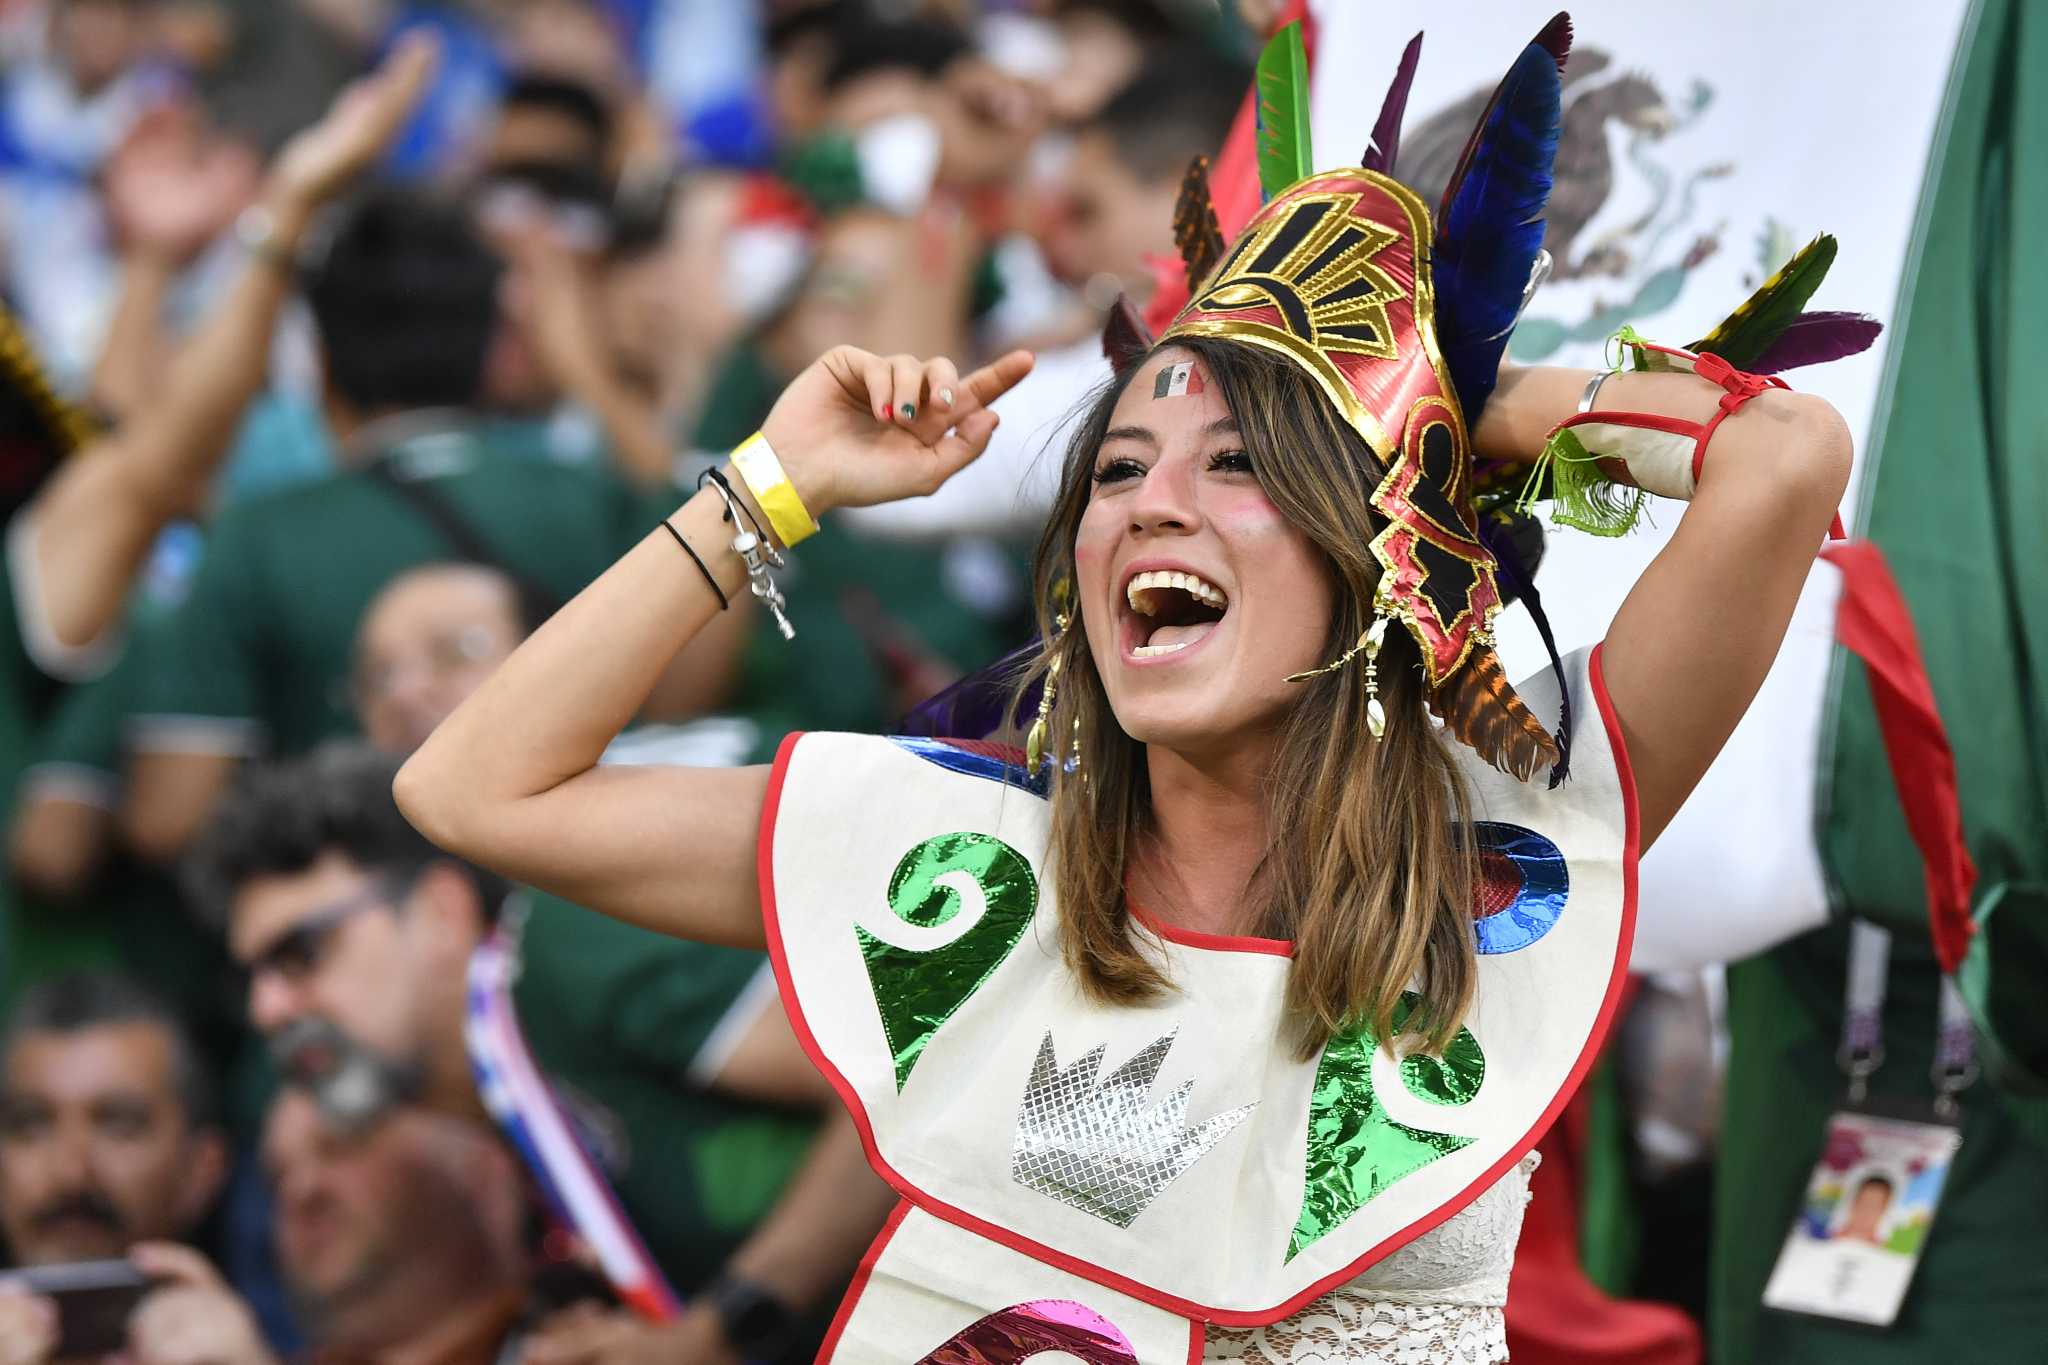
1740 388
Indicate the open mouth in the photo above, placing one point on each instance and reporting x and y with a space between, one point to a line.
1171 611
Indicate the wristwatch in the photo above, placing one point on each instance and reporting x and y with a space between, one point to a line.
256 228
758 1325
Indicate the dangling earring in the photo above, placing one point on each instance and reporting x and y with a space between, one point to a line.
1375 714
1369 645
1034 740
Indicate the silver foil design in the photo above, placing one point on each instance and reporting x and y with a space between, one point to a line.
1100 1146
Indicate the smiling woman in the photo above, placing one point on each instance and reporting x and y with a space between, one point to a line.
1217 559
1274 835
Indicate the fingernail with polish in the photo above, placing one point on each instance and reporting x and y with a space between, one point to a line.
946 397
909 411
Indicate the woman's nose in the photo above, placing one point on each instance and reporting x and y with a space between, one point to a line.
1165 500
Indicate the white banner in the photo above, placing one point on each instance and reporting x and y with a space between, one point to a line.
1703 144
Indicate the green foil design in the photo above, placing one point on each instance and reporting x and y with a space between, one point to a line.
918 991
1355 1149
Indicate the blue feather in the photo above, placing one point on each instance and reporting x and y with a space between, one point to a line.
1490 228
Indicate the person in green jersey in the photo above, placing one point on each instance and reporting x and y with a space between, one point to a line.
407 306
1956 496
75 544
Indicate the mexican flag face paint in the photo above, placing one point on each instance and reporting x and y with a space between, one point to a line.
1177 380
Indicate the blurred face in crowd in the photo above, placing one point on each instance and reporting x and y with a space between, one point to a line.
97 1151
379 1233
675 305
428 640
376 958
530 133
1111 219
858 254
97 40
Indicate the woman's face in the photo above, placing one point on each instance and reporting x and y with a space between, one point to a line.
1198 596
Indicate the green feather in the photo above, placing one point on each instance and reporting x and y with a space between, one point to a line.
1746 332
1282 80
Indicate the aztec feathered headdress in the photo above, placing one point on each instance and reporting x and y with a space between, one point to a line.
1402 324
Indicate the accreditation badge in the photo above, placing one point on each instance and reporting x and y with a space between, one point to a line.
1865 1219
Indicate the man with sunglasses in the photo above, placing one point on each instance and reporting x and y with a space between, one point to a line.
678 1069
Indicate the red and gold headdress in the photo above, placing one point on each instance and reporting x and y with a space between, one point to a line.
1342 273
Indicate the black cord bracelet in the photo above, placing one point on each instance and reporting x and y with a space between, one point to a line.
733 500
724 602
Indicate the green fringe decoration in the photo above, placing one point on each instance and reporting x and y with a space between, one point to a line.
1580 495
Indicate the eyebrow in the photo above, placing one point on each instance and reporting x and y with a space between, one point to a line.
1225 425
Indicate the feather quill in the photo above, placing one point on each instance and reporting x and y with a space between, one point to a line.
1747 332
1195 229
1479 707
1386 133
1285 155
1490 227
1815 339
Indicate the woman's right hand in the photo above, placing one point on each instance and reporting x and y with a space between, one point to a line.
856 429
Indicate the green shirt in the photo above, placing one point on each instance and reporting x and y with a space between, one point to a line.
133 916
1958 497
260 653
631 1027
33 942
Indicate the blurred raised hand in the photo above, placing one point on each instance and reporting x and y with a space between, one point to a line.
94 521
172 186
360 126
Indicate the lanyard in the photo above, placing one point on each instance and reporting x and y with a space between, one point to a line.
1862 1047
525 1107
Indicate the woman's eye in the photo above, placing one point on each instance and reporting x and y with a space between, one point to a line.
1232 462
1116 471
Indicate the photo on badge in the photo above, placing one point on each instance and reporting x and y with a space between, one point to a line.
1865 1219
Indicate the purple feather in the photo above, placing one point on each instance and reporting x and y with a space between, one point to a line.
1386 133
980 705
1816 338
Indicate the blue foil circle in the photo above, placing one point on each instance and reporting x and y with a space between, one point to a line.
1540 899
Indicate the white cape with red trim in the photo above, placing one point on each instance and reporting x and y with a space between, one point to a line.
1173 1163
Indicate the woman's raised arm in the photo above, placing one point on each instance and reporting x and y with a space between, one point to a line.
1696 635
511 781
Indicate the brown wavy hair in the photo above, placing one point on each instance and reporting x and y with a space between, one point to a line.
1368 865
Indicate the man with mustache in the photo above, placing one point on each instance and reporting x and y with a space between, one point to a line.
106 1138
402 1242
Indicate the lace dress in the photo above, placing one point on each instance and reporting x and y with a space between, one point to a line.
1436 1301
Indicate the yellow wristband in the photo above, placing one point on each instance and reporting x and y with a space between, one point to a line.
762 473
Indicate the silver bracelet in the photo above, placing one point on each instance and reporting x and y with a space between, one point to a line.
1592 392
758 555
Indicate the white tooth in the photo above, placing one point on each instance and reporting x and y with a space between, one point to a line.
1148 651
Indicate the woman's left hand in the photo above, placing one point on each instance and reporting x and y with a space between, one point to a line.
856 429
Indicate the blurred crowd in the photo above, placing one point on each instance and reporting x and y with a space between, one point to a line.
380 327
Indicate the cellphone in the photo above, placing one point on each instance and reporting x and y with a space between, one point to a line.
94 1300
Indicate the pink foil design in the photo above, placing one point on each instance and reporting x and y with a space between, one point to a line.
1031 1329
